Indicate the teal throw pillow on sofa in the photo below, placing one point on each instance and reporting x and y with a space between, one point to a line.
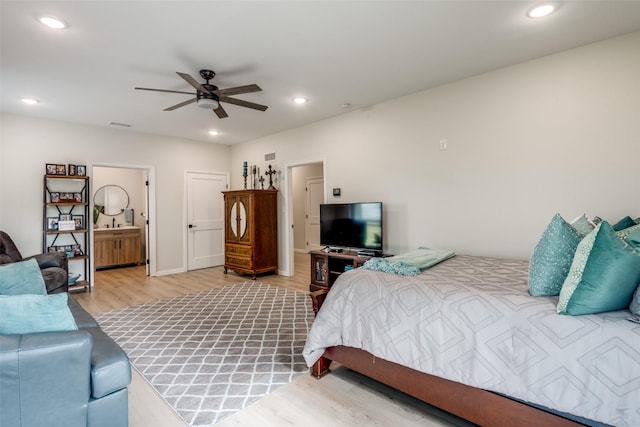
22 277
26 314
603 276
552 257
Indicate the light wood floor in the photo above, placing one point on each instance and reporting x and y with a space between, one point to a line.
122 287
343 398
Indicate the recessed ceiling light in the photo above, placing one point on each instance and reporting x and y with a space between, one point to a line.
300 100
52 22
542 10
214 132
30 101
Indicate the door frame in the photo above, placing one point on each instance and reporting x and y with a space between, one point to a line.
306 209
151 244
287 251
185 210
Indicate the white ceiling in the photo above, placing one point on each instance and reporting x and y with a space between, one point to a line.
332 52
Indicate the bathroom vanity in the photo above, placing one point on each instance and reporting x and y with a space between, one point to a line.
114 247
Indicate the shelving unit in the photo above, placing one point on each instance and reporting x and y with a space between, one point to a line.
327 266
66 198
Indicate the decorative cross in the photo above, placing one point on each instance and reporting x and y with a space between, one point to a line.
270 173
261 182
254 170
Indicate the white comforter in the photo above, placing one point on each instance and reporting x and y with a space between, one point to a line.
472 320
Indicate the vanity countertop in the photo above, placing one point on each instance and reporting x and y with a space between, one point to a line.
127 227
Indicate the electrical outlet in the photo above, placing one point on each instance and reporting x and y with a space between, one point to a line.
443 144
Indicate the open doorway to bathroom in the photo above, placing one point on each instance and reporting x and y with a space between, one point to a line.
120 212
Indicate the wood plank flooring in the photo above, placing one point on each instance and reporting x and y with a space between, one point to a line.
343 398
122 287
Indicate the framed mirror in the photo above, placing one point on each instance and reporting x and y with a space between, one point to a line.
114 198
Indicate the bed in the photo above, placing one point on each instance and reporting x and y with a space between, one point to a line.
466 336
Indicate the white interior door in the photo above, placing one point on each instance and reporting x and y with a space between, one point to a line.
315 197
205 216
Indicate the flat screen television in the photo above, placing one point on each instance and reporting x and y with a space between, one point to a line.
351 225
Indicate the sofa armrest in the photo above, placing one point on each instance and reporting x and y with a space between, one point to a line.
83 319
110 367
45 378
51 259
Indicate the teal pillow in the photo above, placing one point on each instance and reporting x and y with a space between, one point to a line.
634 307
583 225
625 222
22 277
26 314
633 238
624 233
552 257
603 276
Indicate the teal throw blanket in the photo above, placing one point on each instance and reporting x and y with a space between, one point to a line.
409 263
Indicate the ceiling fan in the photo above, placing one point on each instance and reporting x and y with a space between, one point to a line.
209 96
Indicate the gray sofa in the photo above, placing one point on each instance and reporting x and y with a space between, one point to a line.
74 378
54 266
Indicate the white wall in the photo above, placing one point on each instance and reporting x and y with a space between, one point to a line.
29 143
557 134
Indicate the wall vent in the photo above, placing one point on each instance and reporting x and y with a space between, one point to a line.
269 157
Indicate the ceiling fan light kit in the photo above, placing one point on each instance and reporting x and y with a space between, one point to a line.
210 103
210 96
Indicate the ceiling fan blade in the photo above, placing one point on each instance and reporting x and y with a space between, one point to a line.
182 104
164 90
193 82
220 112
238 90
243 103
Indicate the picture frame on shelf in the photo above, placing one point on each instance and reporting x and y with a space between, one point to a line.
52 223
81 170
51 169
61 170
64 217
72 170
66 197
75 250
77 197
66 225
55 197
79 220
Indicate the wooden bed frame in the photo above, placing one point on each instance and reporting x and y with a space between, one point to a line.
473 404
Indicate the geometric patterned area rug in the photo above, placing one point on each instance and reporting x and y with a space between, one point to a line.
212 353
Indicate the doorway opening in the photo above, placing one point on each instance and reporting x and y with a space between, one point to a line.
305 192
122 197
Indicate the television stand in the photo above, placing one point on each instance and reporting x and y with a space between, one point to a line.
327 266
369 253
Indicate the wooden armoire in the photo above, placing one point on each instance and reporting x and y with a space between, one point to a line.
251 231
